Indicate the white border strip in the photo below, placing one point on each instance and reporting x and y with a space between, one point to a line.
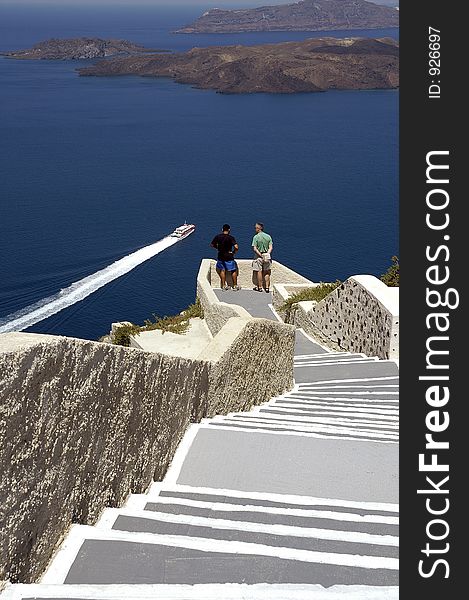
180 456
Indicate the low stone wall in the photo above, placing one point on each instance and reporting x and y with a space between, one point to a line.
83 424
251 362
362 315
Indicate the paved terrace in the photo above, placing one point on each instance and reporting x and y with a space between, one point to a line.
295 499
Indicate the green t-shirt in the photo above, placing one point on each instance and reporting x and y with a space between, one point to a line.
262 242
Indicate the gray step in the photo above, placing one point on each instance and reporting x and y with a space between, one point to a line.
283 464
346 371
116 557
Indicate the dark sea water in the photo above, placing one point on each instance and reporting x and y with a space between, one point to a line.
94 169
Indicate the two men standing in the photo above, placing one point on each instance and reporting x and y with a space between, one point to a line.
227 247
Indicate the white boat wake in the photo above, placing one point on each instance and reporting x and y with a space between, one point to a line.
30 315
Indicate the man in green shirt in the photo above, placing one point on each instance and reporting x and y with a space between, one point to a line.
262 264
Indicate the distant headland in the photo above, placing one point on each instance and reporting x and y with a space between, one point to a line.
313 65
79 49
306 15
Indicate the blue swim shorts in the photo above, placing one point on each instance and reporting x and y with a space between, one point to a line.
227 265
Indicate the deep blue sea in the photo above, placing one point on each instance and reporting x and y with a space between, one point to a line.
94 169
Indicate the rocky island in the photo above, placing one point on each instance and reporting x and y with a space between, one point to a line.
306 66
306 15
78 49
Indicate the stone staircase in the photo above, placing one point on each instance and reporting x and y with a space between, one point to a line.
347 408
296 499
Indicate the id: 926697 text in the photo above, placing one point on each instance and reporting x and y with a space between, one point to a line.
434 63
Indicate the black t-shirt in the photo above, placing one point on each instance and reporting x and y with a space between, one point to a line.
224 243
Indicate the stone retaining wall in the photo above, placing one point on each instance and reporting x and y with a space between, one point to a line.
238 353
83 424
362 315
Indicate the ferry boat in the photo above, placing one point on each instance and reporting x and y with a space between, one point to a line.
183 231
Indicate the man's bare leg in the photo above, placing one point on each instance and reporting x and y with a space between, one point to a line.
259 280
222 275
267 279
234 275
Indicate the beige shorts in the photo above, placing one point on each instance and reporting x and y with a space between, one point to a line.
260 265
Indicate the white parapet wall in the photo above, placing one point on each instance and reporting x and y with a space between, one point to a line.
361 315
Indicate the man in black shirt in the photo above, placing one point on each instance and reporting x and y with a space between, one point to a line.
227 247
